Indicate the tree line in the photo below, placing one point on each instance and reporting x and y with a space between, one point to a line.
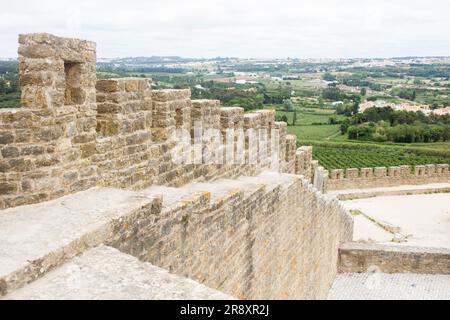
386 124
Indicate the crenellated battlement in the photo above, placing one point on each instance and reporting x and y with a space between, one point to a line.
353 178
208 186
74 132
47 145
254 222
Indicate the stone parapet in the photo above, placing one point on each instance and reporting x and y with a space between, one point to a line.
47 146
234 236
355 257
242 228
387 177
254 220
74 132
304 160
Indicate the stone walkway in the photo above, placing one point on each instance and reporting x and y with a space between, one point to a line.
35 237
106 273
54 250
421 220
348 194
382 286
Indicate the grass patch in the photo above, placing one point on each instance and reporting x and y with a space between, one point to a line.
309 132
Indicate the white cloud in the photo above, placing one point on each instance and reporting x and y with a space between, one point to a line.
245 28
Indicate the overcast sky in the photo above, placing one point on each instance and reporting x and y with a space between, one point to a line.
239 28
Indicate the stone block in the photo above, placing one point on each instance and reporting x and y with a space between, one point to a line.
367 173
8 188
351 173
419 171
6 137
170 95
267 118
405 170
108 86
442 169
380 172
394 172
231 118
252 121
430 169
337 174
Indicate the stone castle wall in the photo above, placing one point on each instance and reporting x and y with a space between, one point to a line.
269 238
47 146
360 257
124 122
387 177
74 132
270 242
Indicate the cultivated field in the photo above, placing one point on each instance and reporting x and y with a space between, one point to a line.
336 151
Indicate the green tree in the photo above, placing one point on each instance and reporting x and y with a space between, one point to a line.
288 106
294 118
344 126
331 93
332 120
355 107
328 77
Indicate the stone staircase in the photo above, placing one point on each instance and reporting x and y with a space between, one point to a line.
40 237
59 249
104 273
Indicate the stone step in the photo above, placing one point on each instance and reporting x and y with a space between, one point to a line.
37 238
220 188
104 273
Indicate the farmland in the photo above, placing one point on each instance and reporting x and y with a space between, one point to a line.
347 155
314 132
323 96
336 151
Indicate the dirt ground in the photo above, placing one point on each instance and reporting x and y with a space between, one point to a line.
413 220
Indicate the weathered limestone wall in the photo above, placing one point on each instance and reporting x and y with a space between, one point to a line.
73 133
291 149
124 120
47 145
387 177
267 238
356 257
320 179
289 259
268 241
304 162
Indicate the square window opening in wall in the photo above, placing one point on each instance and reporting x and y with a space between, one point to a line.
74 93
